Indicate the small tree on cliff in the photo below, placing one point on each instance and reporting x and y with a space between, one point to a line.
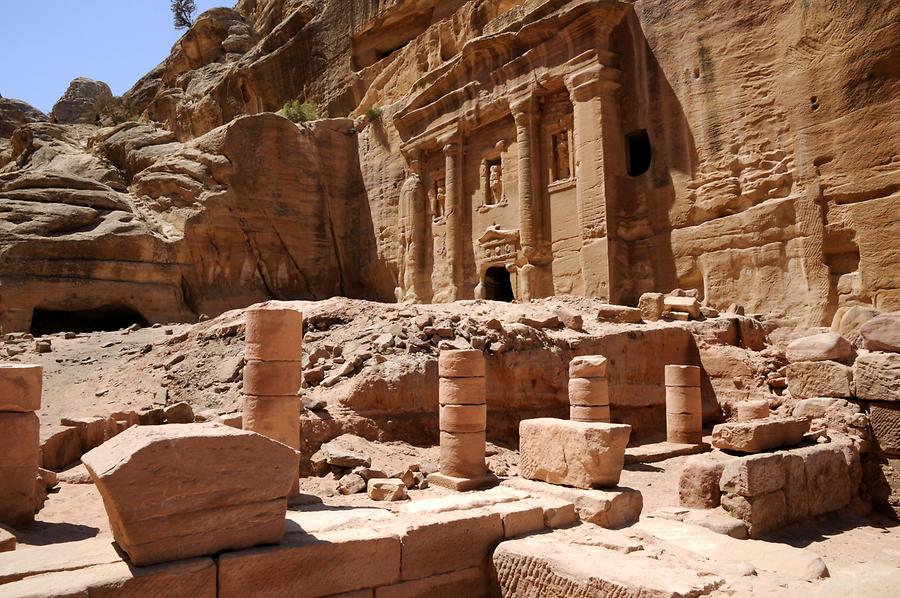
183 12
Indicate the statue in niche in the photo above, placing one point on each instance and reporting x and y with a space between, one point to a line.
561 147
495 180
438 197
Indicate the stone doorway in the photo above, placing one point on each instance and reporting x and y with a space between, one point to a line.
498 285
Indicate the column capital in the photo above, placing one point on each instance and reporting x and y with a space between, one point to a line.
522 107
592 81
449 145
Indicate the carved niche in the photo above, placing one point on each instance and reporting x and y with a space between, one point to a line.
498 246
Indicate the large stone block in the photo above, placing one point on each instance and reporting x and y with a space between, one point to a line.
469 583
796 493
92 431
698 486
827 478
447 542
828 346
580 454
557 565
612 508
877 377
178 491
753 475
763 514
652 305
688 305
314 564
60 447
273 334
194 578
759 435
20 440
20 494
819 379
882 333
20 387
885 421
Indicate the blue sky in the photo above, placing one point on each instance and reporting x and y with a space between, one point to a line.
47 43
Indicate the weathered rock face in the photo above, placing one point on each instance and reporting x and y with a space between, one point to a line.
15 113
82 102
468 183
204 227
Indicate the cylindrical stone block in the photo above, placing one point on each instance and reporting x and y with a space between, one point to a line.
683 399
462 454
272 378
580 413
20 441
273 334
20 387
684 428
461 391
275 417
463 363
588 366
589 392
463 418
682 375
750 410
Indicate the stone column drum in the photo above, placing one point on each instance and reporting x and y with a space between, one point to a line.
463 420
20 444
588 389
684 409
272 373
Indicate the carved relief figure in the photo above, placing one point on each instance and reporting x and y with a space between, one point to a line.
496 183
561 155
438 198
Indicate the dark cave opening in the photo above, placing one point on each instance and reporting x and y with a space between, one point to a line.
105 318
639 152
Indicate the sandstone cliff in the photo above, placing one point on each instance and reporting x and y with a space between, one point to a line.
772 176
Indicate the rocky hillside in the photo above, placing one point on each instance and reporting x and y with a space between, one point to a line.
775 179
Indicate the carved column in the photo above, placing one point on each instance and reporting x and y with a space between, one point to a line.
533 273
598 157
453 190
413 223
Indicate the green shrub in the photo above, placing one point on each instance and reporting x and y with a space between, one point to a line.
300 112
373 113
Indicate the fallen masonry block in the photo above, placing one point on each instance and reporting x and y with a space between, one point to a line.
877 377
698 486
60 447
807 379
882 333
553 565
318 564
760 435
386 489
688 305
580 454
828 346
763 514
610 508
174 492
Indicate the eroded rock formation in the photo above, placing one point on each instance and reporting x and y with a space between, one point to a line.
498 148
